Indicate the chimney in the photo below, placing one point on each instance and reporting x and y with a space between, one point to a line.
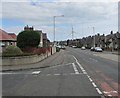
28 28
111 32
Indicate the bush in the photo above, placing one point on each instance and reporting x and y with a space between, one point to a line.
28 39
12 50
57 49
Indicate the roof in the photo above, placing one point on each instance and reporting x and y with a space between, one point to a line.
13 35
5 36
44 36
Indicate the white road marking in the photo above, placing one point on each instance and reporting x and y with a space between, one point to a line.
80 66
90 79
36 72
88 76
109 95
94 84
114 92
84 72
4 73
75 68
98 90
60 65
57 74
110 92
63 74
48 74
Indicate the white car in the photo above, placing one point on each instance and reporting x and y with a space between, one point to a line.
98 49
83 48
74 46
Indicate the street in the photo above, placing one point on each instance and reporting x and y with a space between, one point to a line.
73 72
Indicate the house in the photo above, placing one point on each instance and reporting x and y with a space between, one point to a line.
39 31
44 41
112 41
109 42
6 39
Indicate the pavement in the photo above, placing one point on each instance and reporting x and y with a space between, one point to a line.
43 64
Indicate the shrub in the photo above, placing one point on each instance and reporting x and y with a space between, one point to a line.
57 49
12 50
28 39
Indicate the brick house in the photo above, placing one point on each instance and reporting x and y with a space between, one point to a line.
6 39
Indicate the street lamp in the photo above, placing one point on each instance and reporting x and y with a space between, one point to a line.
94 35
54 25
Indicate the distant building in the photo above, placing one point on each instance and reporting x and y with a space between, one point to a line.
108 42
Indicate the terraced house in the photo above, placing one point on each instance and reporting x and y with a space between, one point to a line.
109 42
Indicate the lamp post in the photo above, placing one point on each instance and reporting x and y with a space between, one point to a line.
54 26
94 35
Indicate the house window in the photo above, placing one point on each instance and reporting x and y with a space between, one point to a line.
2 44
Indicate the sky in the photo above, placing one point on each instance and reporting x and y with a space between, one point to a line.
82 15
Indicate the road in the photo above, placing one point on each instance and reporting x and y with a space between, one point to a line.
74 72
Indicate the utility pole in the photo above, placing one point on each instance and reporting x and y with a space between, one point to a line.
54 17
54 29
72 33
94 36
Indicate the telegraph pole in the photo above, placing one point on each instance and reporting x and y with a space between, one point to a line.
54 17
94 35
72 33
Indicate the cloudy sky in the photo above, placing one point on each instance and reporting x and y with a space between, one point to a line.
81 14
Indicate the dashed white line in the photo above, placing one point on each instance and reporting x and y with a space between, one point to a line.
90 79
48 74
4 73
36 72
109 95
75 68
98 90
84 71
94 84
60 65
57 74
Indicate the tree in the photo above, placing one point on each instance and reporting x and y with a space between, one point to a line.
28 39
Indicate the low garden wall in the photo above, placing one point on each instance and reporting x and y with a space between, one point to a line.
23 59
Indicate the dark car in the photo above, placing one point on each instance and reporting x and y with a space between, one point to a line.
92 49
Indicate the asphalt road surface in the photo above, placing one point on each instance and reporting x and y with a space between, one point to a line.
74 72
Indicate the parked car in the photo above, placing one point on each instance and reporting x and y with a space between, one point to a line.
98 49
74 46
63 47
83 48
92 49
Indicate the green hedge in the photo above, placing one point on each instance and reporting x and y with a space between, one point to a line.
57 49
12 51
